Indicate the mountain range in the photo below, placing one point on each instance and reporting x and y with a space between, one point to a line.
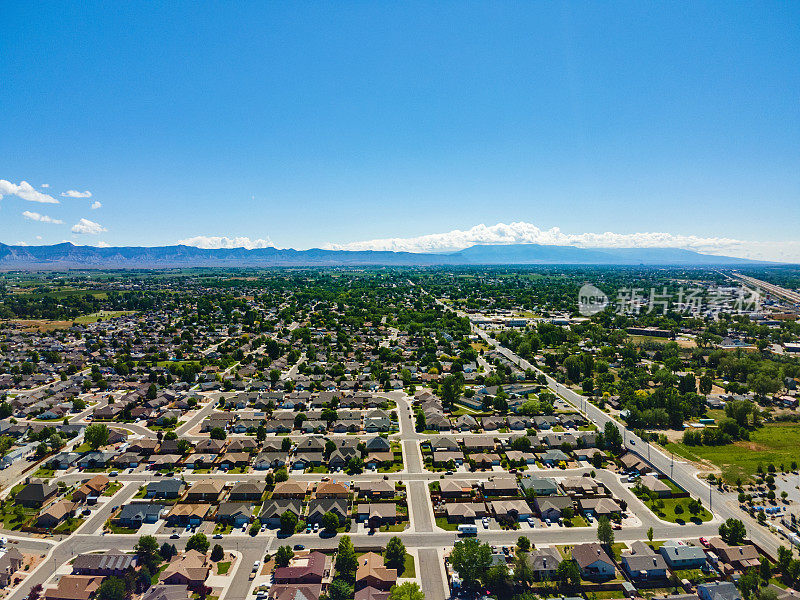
69 256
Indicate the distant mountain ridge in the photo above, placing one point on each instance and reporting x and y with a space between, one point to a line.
68 256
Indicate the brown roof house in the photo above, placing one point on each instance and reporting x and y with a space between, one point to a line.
189 569
593 561
310 568
55 514
207 489
94 487
74 587
371 572
290 489
332 489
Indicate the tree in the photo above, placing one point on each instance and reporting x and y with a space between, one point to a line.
152 392
96 435
218 433
78 404
283 556
705 385
147 551
420 421
346 560
732 532
255 527
217 554
497 579
523 572
167 551
35 592
523 543
286 444
143 579
198 542
748 583
281 475
612 437
568 574
330 522
605 534
406 591
288 522
471 560
112 588
339 589
650 535
395 555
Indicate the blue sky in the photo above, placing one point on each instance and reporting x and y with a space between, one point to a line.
313 124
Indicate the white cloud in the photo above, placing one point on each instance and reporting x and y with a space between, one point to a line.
103 245
88 227
96 204
215 242
77 194
528 233
25 191
34 216
45 185
21 244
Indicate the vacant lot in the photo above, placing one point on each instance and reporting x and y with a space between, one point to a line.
774 443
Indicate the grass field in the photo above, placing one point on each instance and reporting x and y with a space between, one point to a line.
774 443
101 316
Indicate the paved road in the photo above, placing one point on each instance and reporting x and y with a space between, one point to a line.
430 573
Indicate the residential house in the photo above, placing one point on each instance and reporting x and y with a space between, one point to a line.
106 564
682 556
247 491
593 561
317 507
642 563
190 569
206 489
465 512
54 514
718 590
35 493
135 513
371 572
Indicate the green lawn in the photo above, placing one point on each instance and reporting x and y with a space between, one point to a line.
120 530
409 568
774 443
667 513
113 488
44 473
68 526
578 521
442 522
223 567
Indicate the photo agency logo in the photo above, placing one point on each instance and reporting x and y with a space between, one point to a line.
591 300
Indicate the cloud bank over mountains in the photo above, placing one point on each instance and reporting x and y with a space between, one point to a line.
216 242
528 233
